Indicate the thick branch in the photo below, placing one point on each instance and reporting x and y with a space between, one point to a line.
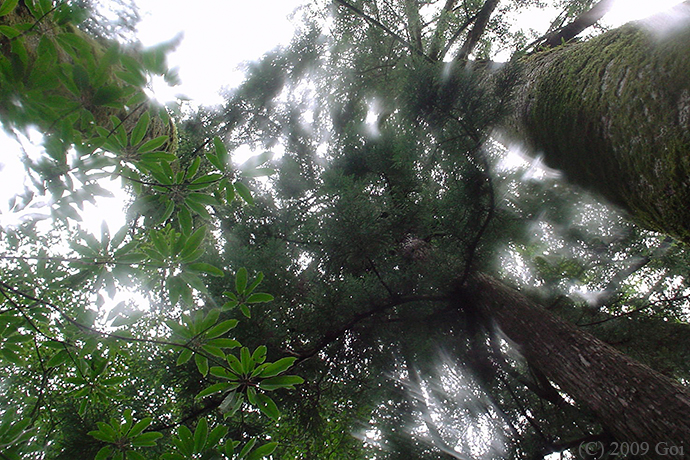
478 30
572 30
335 334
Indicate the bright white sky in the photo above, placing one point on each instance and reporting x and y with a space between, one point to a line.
218 36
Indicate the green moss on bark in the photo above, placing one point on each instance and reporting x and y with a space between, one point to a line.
613 114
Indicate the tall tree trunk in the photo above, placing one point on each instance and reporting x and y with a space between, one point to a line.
613 113
635 403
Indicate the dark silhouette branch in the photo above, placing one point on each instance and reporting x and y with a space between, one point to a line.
335 334
568 32
482 20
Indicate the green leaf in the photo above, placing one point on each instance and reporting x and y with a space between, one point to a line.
153 144
216 435
263 451
7 7
259 172
244 192
224 343
221 328
185 356
235 364
199 209
215 351
277 367
202 267
193 168
104 453
282 381
259 354
201 364
259 298
59 358
9 32
140 129
241 280
247 447
259 278
229 193
194 242
200 435
221 151
140 426
185 218
187 438
207 179
132 455
213 159
146 439
213 389
203 198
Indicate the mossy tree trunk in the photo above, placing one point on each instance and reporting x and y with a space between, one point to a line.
634 403
613 113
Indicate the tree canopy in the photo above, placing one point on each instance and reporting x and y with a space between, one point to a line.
384 279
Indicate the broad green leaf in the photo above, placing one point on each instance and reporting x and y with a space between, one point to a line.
140 129
213 159
281 381
221 328
133 455
193 168
58 358
215 388
186 437
221 151
263 451
153 144
7 7
194 242
224 343
207 179
140 426
241 280
245 450
185 356
259 354
104 453
216 435
201 364
244 192
259 278
200 435
198 208
185 219
259 298
7 31
235 364
277 367
210 319
259 172
146 439
203 198
215 351
202 267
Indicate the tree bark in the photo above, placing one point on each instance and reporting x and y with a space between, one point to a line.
613 114
633 402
